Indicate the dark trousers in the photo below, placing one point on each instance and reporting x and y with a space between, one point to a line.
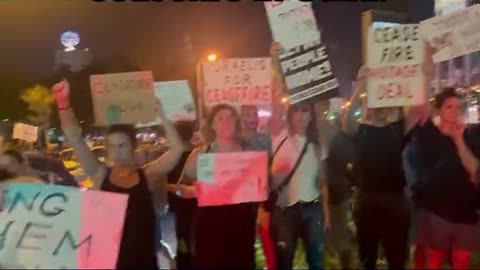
225 237
184 230
304 221
382 218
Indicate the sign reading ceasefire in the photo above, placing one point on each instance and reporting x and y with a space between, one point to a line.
395 76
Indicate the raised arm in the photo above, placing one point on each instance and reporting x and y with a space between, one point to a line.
164 164
72 130
356 100
420 114
278 88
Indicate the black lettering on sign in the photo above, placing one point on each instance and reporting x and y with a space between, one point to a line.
28 226
3 234
71 241
54 211
397 54
19 197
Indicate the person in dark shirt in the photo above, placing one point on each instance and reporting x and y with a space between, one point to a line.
182 208
340 157
445 197
380 210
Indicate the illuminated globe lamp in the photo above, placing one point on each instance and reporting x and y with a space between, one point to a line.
70 55
69 40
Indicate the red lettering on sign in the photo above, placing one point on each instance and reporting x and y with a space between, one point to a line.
394 90
239 95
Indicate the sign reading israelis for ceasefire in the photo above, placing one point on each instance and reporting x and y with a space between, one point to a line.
240 81
123 98
55 227
292 23
395 58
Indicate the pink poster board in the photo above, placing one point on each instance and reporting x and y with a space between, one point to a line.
232 178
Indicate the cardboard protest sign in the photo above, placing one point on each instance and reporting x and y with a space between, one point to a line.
395 57
177 100
56 227
453 34
123 98
241 81
292 23
25 132
308 73
232 178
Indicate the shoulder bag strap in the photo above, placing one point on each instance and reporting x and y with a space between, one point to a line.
278 149
289 177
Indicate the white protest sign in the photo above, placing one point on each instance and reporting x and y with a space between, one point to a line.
308 73
241 81
176 99
25 132
453 34
292 23
55 227
123 98
232 178
395 58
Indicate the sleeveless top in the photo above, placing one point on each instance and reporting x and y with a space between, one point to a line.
137 248
175 202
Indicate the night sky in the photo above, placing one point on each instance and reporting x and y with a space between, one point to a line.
151 33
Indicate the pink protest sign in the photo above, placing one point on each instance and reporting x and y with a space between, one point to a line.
232 178
55 227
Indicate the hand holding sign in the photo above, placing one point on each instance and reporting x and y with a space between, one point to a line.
61 91
276 49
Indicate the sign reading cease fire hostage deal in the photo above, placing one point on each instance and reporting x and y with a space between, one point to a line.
241 81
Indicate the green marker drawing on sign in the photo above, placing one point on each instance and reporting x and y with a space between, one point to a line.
114 114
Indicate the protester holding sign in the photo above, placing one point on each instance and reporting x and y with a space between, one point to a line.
380 210
224 234
137 245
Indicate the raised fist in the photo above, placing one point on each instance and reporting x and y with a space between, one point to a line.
61 91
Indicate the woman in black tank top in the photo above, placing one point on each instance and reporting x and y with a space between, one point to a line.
137 247
224 236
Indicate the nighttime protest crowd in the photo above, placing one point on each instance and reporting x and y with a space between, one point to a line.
402 165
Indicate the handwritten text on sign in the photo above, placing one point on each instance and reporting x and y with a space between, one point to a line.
454 34
177 100
308 72
238 81
232 178
25 132
395 57
123 98
292 23
47 226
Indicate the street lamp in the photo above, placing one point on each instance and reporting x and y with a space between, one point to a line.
212 57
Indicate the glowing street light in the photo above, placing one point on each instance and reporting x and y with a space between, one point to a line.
212 57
